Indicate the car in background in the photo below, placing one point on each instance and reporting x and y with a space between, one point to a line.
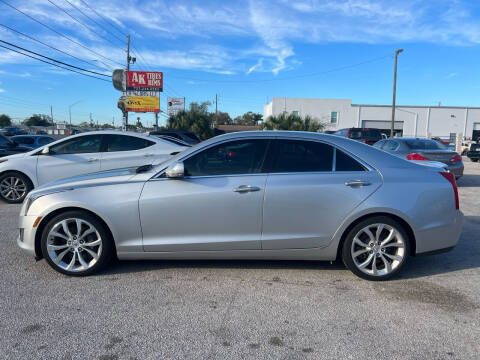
187 136
173 140
78 155
13 130
9 147
366 135
421 149
249 195
474 153
32 141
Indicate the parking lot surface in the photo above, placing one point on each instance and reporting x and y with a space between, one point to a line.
244 309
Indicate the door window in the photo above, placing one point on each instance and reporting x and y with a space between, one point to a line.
24 140
230 158
302 156
79 145
126 143
346 163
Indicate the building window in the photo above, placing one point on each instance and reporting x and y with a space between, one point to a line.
295 113
333 117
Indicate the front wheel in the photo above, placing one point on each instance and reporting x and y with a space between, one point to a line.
376 248
76 243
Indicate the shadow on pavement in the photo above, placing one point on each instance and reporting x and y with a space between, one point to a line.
466 255
469 180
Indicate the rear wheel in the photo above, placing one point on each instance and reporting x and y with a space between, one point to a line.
76 243
14 187
376 248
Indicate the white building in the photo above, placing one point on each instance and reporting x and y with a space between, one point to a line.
421 121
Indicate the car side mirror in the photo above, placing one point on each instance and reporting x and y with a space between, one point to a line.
175 171
45 151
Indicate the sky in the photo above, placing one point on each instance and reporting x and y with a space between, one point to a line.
245 51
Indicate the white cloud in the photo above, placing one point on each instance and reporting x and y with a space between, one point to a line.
2 90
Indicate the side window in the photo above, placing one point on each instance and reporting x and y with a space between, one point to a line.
24 140
346 163
390 145
79 145
379 144
302 156
235 157
3 141
126 143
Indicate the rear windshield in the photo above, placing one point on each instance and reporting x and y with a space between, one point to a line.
364 134
425 144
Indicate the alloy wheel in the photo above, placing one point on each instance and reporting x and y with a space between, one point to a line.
378 249
74 244
13 188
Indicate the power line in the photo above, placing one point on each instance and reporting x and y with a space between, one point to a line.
62 35
104 18
52 47
81 23
59 66
49 58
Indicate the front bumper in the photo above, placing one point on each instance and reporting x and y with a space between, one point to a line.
26 236
440 237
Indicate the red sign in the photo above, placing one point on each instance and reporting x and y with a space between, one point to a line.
145 80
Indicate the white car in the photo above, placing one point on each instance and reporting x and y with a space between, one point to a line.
77 155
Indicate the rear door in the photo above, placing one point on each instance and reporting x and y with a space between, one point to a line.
121 151
72 157
311 188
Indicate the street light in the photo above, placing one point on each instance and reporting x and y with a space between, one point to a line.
392 125
70 110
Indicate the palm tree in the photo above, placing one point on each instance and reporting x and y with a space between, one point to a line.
293 122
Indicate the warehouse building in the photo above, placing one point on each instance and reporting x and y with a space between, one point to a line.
418 121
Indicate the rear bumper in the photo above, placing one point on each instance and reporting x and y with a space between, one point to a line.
456 169
438 238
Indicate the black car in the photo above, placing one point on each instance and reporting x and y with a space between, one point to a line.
8 147
187 136
32 141
365 135
12 131
474 153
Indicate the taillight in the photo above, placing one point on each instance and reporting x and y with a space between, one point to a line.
363 141
451 179
456 158
416 156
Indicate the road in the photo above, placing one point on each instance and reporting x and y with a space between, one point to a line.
244 309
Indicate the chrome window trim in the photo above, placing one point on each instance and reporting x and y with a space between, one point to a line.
367 166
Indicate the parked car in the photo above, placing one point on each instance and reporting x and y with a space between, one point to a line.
9 147
32 141
367 136
474 153
419 149
173 140
255 195
12 131
186 136
78 155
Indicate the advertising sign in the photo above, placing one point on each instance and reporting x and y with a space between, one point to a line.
139 103
145 80
175 105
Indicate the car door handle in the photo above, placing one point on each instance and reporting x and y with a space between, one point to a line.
92 159
357 183
246 188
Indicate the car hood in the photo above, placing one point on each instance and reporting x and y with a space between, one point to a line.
19 155
101 178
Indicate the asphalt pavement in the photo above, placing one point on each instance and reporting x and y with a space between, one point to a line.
244 309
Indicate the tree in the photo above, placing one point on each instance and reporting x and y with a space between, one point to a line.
293 122
197 119
5 120
249 118
222 118
38 120
107 126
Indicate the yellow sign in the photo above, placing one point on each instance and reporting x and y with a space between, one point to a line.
140 103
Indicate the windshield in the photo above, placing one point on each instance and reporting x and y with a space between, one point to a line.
365 134
425 144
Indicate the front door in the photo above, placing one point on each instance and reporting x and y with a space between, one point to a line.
217 206
72 157
122 151
312 187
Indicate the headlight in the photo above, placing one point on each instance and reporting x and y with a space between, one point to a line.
31 198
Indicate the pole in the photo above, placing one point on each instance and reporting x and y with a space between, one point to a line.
125 113
392 125
156 121
51 113
70 114
216 109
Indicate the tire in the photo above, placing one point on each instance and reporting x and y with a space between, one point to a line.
14 186
73 252
366 258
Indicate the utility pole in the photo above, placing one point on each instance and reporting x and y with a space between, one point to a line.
392 125
51 113
216 110
125 113
156 121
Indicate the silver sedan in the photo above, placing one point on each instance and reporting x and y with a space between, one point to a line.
249 195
